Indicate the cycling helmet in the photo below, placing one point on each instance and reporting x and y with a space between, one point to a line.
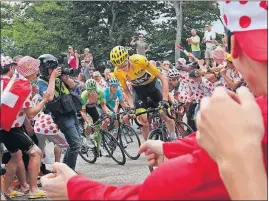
113 80
47 61
91 85
173 73
118 55
182 61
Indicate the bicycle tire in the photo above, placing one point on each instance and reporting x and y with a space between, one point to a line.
155 135
109 140
129 134
183 129
93 150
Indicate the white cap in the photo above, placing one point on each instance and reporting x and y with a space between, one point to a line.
182 61
96 73
107 70
166 62
87 49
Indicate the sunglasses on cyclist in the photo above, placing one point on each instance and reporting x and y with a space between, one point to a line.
114 85
124 65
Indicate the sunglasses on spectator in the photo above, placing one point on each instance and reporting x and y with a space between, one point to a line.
174 79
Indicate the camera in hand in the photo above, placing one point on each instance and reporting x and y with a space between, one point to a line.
70 71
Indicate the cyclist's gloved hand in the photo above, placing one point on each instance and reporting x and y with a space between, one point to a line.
165 104
90 125
110 114
175 105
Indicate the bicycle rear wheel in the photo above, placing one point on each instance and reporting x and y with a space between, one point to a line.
183 129
129 141
88 151
113 148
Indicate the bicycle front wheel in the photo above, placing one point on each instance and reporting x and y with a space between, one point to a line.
113 148
88 150
156 134
129 140
183 129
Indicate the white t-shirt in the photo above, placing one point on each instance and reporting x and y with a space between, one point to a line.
209 36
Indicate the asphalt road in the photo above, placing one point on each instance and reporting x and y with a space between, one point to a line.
107 171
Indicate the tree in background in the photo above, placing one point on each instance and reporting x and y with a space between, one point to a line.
49 27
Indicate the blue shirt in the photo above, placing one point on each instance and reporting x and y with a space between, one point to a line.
42 86
110 101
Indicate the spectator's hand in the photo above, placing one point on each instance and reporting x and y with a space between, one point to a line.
56 72
201 65
222 72
229 125
190 55
55 185
153 150
201 62
35 89
64 77
46 96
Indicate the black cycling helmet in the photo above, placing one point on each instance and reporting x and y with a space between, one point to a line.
47 61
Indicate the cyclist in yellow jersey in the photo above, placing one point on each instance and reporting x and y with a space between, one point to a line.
143 77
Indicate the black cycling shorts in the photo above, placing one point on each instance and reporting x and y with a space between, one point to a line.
93 112
16 139
141 94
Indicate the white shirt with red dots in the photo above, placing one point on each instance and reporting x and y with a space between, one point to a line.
28 103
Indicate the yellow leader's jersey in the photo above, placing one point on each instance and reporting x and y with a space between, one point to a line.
141 72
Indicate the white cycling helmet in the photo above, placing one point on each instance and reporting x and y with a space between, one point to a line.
113 80
182 61
91 85
173 73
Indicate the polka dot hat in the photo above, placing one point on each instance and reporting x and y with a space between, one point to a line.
6 61
27 66
247 20
218 53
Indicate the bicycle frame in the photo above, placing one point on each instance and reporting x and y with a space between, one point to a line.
161 126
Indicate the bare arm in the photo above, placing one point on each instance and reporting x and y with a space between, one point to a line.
77 59
245 182
85 117
68 81
123 105
51 86
104 107
133 43
230 83
32 112
129 98
165 86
